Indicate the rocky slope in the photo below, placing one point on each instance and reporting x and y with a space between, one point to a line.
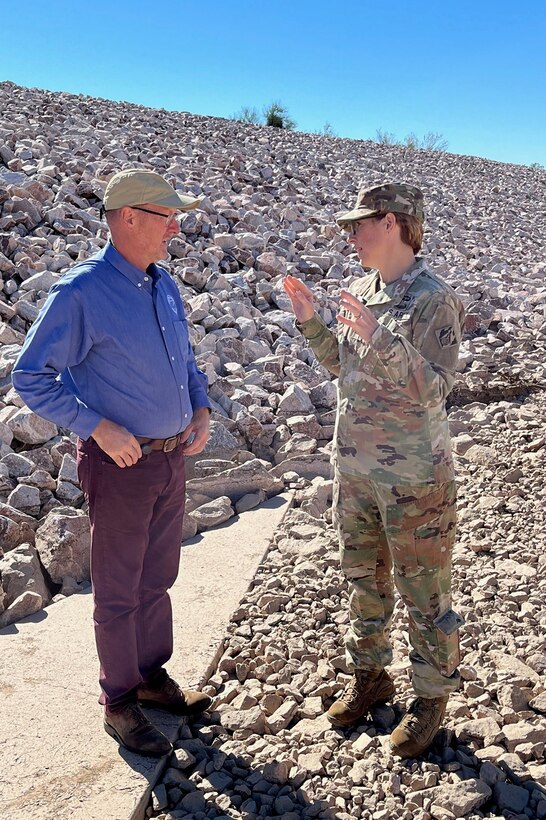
268 203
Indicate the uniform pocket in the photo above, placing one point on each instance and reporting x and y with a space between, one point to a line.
421 536
421 529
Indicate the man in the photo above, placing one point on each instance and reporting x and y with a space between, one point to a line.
113 329
394 495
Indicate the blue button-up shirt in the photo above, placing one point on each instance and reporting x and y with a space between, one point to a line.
112 342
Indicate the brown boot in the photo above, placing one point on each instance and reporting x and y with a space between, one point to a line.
132 729
364 690
418 727
168 695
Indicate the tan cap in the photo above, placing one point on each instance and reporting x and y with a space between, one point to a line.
391 197
136 187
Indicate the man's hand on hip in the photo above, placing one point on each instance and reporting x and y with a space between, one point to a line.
196 434
117 442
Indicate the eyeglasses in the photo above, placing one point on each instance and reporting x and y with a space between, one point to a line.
171 218
353 226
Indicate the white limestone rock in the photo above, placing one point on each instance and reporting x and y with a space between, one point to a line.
20 571
239 481
26 604
63 541
29 428
25 498
213 513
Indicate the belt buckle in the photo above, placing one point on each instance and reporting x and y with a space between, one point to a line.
170 444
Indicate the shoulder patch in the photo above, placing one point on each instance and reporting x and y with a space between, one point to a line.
446 336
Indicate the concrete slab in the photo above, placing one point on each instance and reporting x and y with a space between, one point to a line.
55 759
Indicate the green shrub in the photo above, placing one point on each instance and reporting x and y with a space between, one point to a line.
277 116
274 115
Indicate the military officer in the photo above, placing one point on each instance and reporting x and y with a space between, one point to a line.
395 354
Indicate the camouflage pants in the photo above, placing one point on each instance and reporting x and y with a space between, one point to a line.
410 530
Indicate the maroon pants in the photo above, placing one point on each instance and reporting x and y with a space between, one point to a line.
136 516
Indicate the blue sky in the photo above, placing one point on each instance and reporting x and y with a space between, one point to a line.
474 72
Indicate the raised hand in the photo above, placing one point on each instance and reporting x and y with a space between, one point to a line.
301 298
364 322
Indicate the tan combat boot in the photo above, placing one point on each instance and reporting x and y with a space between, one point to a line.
417 729
364 690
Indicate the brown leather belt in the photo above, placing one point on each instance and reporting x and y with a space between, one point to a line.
165 444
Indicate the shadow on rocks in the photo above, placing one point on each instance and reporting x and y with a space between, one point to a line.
212 774
205 781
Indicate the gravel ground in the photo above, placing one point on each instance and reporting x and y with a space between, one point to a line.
268 751
268 205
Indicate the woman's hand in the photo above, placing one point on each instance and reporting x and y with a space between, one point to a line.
364 322
301 298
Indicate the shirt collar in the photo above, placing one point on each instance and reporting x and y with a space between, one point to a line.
139 278
394 291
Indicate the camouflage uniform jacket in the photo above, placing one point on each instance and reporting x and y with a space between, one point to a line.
391 423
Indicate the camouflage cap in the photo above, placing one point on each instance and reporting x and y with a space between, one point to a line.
391 197
136 187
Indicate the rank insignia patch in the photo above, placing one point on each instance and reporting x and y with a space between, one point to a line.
407 301
446 336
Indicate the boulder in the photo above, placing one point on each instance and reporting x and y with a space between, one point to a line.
63 541
29 428
214 512
26 604
237 482
21 570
